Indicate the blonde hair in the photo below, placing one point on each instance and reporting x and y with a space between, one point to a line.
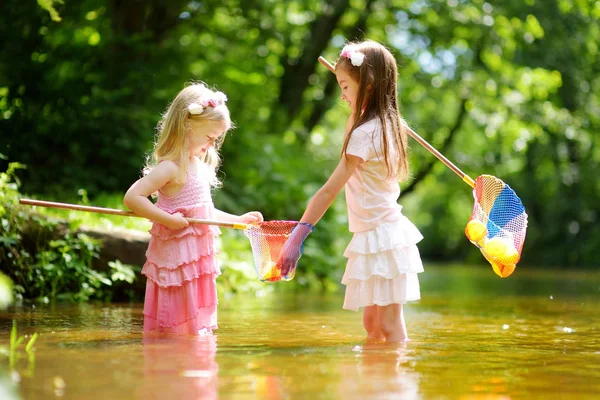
377 98
171 141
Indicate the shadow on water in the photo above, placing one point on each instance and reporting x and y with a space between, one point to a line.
534 335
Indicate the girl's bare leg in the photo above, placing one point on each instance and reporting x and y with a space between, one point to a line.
391 322
372 324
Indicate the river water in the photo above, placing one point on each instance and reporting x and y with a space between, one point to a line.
473 336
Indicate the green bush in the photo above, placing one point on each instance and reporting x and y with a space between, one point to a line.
46 259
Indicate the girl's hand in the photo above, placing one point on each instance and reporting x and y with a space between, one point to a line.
177 221
251 217
293 248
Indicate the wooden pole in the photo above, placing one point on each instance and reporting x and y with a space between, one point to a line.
114 211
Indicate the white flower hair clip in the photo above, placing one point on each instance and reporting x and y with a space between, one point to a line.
195 109
216 99
356 57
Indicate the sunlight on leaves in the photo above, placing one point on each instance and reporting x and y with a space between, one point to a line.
48 5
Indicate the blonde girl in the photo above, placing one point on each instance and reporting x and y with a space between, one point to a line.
181 266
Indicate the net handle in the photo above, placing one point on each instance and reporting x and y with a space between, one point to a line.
466 178
114 211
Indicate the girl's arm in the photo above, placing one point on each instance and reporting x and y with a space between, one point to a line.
317 206
248 218
329 191
136 198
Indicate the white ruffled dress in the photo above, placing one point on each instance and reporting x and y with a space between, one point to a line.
383 258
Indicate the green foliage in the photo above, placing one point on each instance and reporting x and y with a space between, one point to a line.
121 272
508 89
47 260
238 273
6 291
15 353
12 254
64 270
100 221
48 5
16 340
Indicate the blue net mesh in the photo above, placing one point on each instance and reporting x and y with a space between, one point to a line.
498 224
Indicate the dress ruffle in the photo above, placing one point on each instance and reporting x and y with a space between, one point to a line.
390 235
381 291
165 277
200 211
179 250
182 309
382 265
165 233
387 264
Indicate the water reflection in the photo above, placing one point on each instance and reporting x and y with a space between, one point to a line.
380 370
179 367
466 344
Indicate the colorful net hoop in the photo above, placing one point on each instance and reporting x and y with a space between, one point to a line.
498 224
267 240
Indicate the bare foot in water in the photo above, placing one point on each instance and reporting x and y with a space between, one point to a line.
375 339
399 339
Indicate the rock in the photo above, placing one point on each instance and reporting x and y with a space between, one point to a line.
128 246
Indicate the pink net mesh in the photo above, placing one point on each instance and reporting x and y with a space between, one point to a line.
267 239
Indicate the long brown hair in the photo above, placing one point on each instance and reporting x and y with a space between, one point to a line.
377 98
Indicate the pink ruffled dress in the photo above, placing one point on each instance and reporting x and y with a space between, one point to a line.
181 267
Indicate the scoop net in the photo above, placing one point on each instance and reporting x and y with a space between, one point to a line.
267 240
498 224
